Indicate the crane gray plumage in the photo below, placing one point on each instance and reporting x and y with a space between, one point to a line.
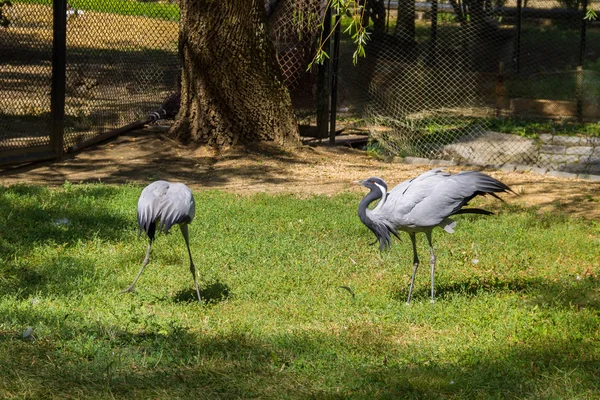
421 204
163 204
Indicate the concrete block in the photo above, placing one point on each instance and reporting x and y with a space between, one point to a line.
589 177
539 170
590 159
581 150
416 160
558 158
545 159
591 141
523 168
566 140
443 162
507 167
491 148
546 138
550 149
566 159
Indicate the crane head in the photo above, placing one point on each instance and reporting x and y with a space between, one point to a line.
374 183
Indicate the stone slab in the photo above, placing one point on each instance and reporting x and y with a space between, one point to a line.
491 148
566 140
580 150
552 149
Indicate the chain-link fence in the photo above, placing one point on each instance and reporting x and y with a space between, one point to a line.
121 63
442 79
25 76
294 26
450 82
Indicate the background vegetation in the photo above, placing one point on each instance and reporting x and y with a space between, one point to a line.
158 10
516 312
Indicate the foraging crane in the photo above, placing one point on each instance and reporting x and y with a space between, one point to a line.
422 203
167 204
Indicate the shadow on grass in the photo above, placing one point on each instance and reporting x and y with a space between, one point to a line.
102 360
579 293
35 219
34 214
59 276
212 293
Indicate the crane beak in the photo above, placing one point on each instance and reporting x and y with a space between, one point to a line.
359 182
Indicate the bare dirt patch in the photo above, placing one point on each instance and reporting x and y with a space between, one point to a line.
143 156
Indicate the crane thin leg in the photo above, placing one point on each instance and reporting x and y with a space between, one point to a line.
146 261
413 239
184 231
431 263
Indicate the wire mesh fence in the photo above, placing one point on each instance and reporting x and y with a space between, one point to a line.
121 63
25 71
448 83
442 79
293 29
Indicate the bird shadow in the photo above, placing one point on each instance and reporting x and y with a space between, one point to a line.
577 293
212 293
470 288
473 287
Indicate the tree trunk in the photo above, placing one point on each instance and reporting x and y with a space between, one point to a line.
231 86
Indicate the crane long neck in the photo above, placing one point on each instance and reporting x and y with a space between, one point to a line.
381 229
363 207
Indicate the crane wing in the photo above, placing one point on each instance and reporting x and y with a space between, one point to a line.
171 203
177 206
401 188
432 197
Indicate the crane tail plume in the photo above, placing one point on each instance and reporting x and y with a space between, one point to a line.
474 211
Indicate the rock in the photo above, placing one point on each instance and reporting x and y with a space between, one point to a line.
491 148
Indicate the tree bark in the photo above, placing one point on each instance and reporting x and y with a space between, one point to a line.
232 91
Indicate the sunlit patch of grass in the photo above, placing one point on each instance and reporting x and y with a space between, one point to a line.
159 10
516 312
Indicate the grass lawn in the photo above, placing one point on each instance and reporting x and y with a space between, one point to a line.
151 9
517 311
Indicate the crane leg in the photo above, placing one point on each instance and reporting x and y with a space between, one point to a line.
146 261
413 239
431 263
184 231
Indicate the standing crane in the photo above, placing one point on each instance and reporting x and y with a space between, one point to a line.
421 204
167 204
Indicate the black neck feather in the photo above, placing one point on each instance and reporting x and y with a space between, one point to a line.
381 231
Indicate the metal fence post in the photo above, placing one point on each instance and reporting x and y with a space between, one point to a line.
517 51
583 33
59 62
323 82
434 18
334 79
500 89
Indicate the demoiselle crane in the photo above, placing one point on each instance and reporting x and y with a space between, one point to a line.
165 204
421 204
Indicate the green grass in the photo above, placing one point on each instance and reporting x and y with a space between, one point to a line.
123 7
520 323
532 127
